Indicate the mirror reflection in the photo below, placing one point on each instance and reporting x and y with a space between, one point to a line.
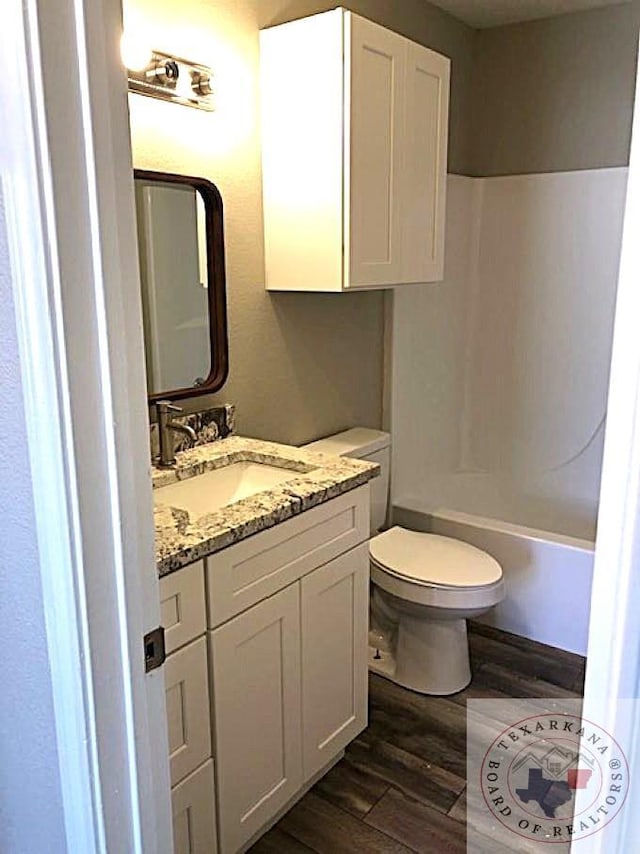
181 253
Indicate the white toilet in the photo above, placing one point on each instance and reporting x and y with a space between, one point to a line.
424 586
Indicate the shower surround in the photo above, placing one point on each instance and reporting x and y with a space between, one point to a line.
499 386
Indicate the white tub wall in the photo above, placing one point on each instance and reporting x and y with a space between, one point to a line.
548 580
496 497
427 355
539 363
503 367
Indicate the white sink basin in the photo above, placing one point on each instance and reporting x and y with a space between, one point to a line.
207 492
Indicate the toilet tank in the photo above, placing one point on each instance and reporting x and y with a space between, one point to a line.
364 444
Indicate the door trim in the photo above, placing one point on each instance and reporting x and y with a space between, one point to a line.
68 193
613 656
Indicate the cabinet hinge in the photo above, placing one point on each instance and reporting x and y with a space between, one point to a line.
154 649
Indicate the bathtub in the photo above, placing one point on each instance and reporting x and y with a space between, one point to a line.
545 548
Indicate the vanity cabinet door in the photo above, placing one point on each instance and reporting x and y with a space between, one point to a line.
255 670
335 604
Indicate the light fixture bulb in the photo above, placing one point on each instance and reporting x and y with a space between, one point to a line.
201 83
136 55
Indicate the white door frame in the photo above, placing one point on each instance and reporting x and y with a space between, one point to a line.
613 662
66 173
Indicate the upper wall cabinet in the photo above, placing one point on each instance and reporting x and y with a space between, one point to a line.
354 155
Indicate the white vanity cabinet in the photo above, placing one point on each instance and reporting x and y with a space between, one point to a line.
289 673
354 155
266 673
182 606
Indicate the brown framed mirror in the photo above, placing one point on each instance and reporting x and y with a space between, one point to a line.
182 275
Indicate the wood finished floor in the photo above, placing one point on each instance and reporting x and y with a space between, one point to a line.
401 784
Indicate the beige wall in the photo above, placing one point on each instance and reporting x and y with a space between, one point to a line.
302 365
555 94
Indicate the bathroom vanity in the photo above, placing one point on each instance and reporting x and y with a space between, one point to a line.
262 553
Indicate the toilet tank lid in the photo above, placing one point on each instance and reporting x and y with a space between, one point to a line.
358 442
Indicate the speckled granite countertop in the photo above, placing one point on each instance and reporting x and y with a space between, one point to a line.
180 540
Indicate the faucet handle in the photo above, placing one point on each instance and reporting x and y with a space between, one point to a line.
167 406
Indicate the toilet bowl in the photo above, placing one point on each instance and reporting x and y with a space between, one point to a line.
424 586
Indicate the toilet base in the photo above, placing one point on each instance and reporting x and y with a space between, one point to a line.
382 663
430 657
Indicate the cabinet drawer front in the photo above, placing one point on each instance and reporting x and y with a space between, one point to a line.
242 575
256 708
194 813
187 693
182 606
335 604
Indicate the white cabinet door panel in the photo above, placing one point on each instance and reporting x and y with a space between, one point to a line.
373 179
425 164
334 602
255 661
187 693
194 813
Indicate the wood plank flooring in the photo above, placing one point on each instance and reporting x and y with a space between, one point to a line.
401 784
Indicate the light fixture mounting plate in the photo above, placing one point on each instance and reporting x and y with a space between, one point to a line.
173 79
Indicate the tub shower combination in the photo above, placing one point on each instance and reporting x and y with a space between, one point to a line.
499 379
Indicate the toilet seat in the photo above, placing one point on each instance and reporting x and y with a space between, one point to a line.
433 559
430 569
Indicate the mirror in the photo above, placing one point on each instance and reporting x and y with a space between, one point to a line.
182 274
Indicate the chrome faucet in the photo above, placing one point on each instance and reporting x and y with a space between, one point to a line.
166 427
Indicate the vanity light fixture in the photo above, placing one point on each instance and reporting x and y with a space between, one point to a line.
160 75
